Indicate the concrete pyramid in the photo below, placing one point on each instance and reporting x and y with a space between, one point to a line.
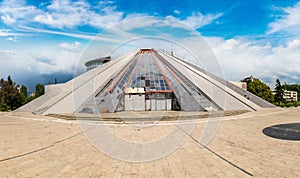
146 79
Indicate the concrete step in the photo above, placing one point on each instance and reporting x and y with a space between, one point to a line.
147 116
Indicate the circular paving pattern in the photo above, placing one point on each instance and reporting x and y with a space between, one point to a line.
289 131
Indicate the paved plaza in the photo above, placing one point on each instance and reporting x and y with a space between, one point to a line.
33 145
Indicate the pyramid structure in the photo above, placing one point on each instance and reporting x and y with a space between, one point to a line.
144 80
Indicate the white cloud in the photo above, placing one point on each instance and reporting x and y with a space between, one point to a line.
105 2
176 12
108 18
4 33
13 62
289 22
198 20
47 62
239 59
75 35
6 52
64 13
12 39
141 21
70 14
43 60
40 59
13 11
60 14
11 36
74 47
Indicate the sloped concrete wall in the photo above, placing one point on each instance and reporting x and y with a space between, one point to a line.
87 85
67 97
225 97
250 96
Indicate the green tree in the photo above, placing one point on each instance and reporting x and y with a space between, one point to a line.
39 90
3 104
279 91
10 97
29 98
9 80
259 88
23 91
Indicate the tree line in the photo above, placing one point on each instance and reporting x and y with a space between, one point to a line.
260 89
12 96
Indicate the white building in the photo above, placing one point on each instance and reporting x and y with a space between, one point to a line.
290 95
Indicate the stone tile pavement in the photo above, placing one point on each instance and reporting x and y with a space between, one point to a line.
234 146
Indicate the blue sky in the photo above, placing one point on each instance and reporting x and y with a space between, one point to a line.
43 40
